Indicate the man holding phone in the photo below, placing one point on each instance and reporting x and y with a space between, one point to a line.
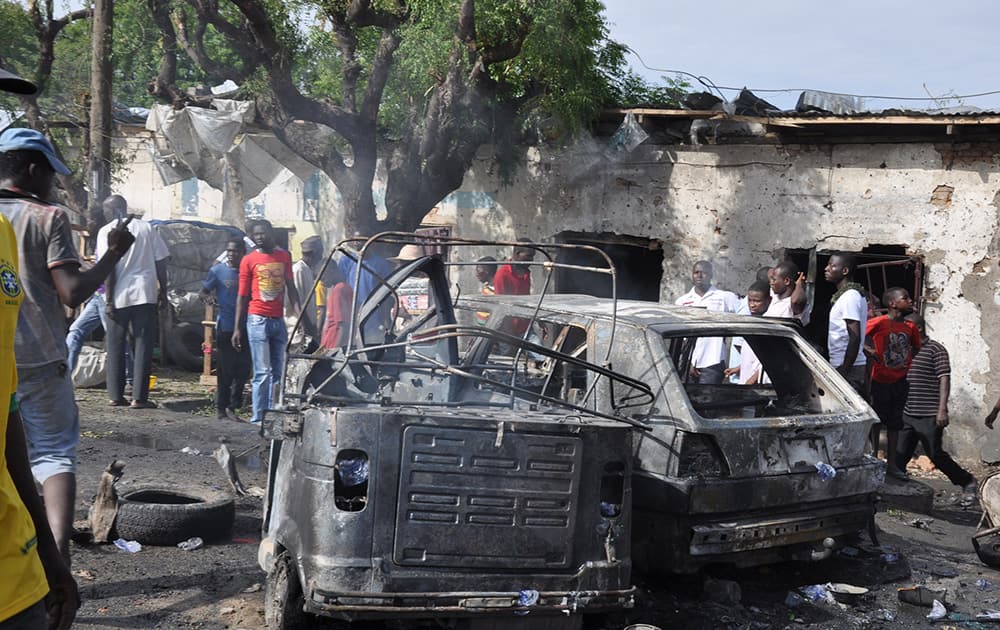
50 277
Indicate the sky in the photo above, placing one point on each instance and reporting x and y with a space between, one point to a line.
873 47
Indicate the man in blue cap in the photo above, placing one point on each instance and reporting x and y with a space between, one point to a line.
50 277
37 582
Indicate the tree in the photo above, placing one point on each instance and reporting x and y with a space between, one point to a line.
33 32
423 84
55 52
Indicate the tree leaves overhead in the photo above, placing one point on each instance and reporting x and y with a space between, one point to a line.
421 85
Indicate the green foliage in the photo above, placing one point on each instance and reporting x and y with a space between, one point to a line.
566 72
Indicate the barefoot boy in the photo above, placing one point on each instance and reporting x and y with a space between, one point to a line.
890 344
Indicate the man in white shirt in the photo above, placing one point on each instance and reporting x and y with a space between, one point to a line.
788 295
304 273
848 318
708 358
132 290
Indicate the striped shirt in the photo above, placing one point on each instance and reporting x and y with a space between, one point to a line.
928 366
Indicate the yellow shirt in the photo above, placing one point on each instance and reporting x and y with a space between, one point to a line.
23 582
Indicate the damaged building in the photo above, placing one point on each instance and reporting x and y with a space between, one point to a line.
915 194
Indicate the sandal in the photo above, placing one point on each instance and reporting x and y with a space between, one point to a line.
143 404
121 402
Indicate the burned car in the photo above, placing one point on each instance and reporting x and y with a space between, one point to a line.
735 474
408 483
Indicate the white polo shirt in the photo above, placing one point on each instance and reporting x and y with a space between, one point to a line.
710 350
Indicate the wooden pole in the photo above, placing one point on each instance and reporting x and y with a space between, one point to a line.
101 77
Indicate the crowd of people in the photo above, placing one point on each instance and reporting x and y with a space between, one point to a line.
889 359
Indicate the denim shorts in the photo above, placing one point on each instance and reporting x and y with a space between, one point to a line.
50 417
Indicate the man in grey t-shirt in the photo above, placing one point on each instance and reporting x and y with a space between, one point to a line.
50 276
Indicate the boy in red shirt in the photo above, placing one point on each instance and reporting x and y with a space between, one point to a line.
265 276
890 344
513 278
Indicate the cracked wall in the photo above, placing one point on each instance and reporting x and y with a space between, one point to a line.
739 205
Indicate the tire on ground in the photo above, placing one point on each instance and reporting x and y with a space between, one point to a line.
183 346
167 515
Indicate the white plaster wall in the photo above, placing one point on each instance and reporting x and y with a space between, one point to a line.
739 205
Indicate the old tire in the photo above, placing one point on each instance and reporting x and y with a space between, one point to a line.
283 597
167 515
183 346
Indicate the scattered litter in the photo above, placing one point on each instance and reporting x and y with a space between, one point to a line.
885 614
984 585
989 615
187 450
84 574
256 491
825 471
793 600
921 595
850 552
130 546
254 588
890 557
191 544
942 572
938 611
846 593
228 610
527 597
817 593
921 523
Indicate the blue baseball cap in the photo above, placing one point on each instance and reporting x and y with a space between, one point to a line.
22 139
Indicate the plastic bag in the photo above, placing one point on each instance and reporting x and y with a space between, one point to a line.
629 135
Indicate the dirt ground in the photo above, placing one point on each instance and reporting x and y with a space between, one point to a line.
220 585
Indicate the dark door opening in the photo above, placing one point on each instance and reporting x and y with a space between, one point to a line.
638 266
879 268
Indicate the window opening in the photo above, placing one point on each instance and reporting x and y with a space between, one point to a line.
638 264
788 385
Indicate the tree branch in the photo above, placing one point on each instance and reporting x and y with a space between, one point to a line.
379 74
164 86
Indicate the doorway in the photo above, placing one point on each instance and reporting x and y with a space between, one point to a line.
638 265
879 267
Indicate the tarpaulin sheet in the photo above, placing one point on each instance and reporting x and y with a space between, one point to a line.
203 143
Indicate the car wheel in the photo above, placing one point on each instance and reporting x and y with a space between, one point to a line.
283 598
183 346
167 515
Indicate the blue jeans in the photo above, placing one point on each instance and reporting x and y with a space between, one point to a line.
90 318
267 337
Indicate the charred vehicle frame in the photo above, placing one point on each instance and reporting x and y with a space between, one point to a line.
405 482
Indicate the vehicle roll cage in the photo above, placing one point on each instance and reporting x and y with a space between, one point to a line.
356 353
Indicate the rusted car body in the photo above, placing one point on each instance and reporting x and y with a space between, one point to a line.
727 473
407 483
